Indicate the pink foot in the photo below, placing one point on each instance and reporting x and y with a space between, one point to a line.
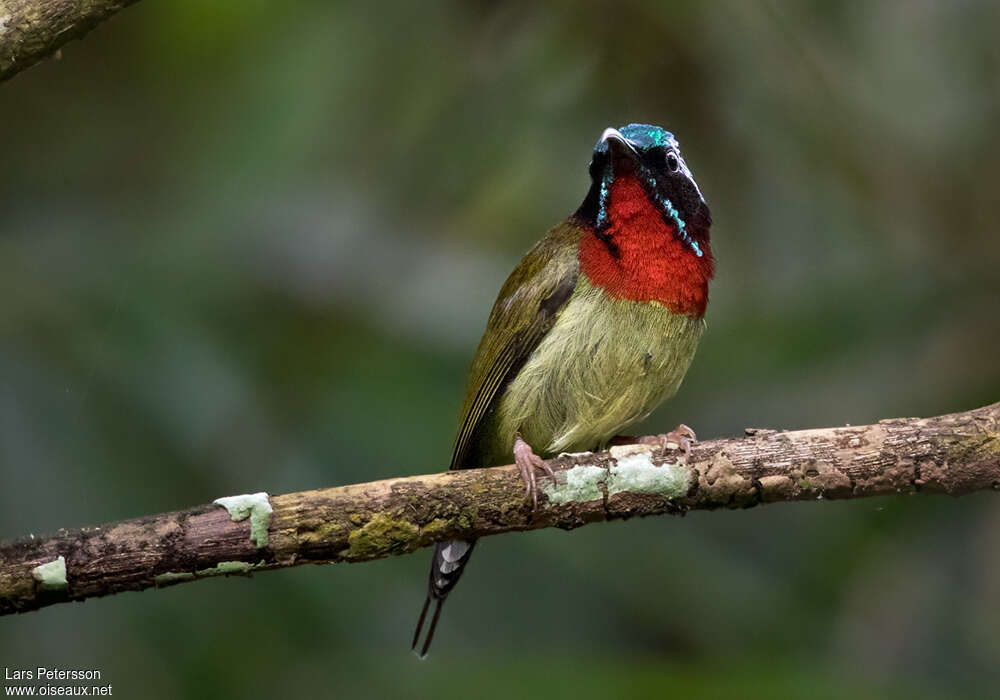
681 437
527 461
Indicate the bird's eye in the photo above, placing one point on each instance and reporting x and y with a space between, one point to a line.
673 164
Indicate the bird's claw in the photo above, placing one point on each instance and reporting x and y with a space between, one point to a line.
681 437
528 462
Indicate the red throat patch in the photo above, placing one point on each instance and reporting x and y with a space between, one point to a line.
651 263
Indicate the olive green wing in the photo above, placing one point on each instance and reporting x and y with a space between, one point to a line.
525 310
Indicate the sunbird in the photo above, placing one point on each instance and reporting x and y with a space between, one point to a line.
594 328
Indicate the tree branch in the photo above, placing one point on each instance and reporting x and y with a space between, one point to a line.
953 454
31 30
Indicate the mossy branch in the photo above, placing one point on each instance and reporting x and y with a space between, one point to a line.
953 454
31 30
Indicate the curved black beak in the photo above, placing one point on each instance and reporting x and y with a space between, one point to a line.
612 138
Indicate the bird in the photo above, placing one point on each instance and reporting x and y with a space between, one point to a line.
594 328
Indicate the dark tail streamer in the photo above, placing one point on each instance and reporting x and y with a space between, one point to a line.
447 566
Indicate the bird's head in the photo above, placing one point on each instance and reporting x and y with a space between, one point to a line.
650 156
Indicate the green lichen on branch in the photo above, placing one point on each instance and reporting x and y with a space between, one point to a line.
223 568
631 469
634 472
254 506
171 577
383 534
580 483
51 576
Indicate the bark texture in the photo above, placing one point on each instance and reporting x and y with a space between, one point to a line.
31 30
953 454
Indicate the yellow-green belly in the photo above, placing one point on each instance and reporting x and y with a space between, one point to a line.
607 363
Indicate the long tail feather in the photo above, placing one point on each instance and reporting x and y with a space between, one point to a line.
447 566
420 624
430 630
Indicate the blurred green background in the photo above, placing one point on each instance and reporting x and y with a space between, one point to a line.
251 246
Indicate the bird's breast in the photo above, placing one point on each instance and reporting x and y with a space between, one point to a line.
606 363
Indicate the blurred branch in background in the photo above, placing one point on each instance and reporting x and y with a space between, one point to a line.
31 30
953 454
